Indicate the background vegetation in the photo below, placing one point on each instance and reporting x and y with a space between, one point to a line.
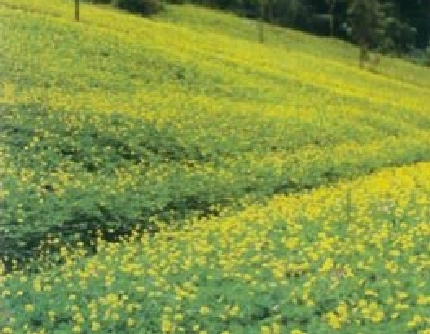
398 27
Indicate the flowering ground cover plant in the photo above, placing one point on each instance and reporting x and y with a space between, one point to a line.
106 129
352 257
233 176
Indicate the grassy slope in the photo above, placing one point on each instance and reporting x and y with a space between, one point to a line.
206 21
242 118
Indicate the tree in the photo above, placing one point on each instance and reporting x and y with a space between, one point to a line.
332 5
144 7
401 29
366 19
270 9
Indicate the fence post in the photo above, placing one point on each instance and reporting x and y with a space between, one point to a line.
76 10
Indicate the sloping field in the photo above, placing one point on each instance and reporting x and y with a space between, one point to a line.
117 119
119 124
352 257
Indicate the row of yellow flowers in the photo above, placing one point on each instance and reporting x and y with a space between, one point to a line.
352 257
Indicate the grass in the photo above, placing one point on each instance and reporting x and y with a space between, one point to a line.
110 126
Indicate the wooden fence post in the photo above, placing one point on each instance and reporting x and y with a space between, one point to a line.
76 10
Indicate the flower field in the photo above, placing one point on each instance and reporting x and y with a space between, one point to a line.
353 257
250 188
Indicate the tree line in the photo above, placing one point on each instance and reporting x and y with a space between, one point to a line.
398 27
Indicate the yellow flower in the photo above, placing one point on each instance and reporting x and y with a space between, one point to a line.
7 330
166 325
95 326
131 322
377 316
417 319
76 329
395 315
327 265
51 315
342 309
37 285
234 310
265 330
423 300
29 308
204 310
371 293
140 289
112 298
297 331
401 306
276 328
333 320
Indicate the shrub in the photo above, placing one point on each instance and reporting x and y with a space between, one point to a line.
101 1
144 7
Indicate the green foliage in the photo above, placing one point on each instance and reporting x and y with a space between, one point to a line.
393 26
126 129
366 19
84 172
106 133
333 259
398 36
100 1
375 25
421 57
144 7
86 148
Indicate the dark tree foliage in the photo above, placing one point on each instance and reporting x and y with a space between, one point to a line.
367 22
399 27
395 26
145 7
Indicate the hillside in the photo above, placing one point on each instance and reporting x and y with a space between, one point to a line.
212 116
119 123
350 258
